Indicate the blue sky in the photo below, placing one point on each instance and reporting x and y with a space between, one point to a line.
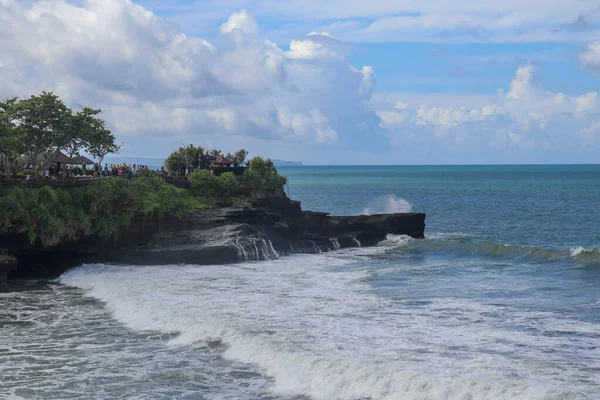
378 82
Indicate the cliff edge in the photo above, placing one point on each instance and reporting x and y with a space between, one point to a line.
271 228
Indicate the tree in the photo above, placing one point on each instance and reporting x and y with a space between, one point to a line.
186 157
10 134
262 175
215 153
84 130
96 139
44 121
103 143
239 157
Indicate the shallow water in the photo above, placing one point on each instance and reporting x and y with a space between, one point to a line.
501 301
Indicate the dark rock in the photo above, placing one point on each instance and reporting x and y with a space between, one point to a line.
7 264
271 228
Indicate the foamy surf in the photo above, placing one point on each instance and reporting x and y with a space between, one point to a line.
314 326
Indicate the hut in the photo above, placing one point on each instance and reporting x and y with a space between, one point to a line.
80 160
56 157
221 162
206 160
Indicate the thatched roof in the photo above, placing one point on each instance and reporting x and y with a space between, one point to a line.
57 157
222 161
80 160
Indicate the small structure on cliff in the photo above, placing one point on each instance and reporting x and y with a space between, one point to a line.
221 165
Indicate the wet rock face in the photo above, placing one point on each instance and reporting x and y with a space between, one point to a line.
7 264
270 229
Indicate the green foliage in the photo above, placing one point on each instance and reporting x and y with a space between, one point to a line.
10 134
43 125
240 202
239 157
228 185
208 186
44 122
262 175
26 171
49 216
185 157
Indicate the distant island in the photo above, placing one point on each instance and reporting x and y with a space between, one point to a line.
284 163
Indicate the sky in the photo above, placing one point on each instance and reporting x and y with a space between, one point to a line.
322 82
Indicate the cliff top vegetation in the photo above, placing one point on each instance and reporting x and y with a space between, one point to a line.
44 125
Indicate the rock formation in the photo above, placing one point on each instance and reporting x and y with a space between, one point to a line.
273 227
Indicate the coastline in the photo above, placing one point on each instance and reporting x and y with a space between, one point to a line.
272 227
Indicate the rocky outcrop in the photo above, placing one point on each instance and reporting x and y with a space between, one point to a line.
7 264
272 228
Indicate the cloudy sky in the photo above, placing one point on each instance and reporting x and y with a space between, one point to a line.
323 82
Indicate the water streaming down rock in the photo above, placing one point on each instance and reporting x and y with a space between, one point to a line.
335 243
255 248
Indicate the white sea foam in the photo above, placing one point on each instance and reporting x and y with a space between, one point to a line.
312 323
388 205
396 240
578 251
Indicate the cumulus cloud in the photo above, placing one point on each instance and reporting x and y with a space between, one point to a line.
526 117
590 57
152 79
240 20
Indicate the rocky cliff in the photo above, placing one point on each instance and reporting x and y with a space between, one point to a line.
272 228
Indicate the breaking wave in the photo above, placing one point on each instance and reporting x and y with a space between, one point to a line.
467 246
303 325
389 204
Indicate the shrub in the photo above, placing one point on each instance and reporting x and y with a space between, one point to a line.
49 216
204 184
228 185
262 175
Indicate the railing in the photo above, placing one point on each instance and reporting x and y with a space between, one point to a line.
80 181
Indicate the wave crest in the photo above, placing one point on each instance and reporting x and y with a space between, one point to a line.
470 247
389 204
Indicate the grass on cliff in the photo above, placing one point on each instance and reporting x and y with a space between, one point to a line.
50 216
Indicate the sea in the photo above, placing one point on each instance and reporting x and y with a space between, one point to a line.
501 300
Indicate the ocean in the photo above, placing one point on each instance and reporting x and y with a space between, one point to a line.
500 301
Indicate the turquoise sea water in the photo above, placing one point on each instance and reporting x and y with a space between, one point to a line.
500 301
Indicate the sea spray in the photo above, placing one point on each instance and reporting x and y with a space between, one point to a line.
389 204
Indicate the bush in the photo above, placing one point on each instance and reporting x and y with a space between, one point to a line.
208 186
228 185
204 184
262 175
49 216
30 172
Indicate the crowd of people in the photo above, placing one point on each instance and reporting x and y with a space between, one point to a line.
68 171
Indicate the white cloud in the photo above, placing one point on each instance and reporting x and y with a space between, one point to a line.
240 20
525 118
590 57
151 79
448 21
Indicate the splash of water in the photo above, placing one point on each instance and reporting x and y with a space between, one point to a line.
389 204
